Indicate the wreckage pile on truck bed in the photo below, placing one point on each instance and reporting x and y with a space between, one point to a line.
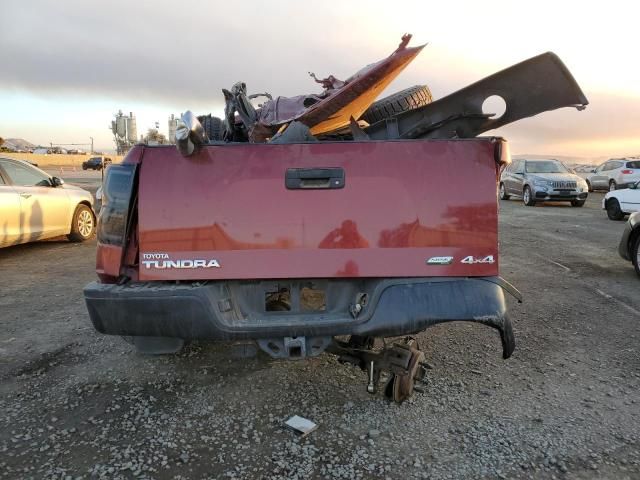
344 110
319 223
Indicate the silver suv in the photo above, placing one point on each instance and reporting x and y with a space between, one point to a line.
614 174
542 180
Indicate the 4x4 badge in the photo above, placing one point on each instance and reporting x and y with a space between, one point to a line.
471 259
440 261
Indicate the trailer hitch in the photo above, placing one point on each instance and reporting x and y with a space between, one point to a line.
404 362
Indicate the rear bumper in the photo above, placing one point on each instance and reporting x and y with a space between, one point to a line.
235 310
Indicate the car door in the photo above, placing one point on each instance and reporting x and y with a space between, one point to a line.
504 176
10 219
517 177
45 210
614 172
599 178
629 200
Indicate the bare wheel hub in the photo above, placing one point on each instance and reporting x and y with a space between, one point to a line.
404 362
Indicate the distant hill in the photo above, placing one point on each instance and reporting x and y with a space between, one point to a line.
18 144
566 159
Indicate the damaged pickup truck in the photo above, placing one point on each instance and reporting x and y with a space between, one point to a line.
320 223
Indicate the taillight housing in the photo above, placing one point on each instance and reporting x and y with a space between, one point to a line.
116 204
502 152
627 172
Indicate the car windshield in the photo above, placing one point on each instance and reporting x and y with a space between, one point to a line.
545 166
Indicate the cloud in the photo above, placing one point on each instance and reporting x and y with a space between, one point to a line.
179 55
163 51
608 126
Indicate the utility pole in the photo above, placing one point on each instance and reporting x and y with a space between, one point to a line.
91 145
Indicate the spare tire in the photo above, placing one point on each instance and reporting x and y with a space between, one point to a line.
402 101
212 127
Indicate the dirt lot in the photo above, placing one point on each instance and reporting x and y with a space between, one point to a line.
75 404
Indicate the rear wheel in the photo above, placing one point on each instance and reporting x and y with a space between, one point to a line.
635 254
614 212
613 186
503 193
589 187
83 224
402 101
527 197
577 203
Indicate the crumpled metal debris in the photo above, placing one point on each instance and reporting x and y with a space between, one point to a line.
540 84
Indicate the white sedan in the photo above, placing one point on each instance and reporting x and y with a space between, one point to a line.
619 203
35 206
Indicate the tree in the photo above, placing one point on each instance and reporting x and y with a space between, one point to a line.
1 141
153 137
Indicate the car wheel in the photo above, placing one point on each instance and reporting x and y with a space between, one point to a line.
83 224
527 197
589 187
635 254
503 193
577 203
84 167
614 212
402 101
612 185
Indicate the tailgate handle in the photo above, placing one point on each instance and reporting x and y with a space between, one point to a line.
314 178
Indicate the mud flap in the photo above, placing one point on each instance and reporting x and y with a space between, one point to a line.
508 339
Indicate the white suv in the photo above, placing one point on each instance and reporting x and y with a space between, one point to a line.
615 173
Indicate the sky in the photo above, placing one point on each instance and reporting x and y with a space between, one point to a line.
68 66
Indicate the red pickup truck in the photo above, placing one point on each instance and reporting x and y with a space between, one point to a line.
293 245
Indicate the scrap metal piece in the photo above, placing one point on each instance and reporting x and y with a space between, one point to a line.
537 85
190 134
323 113
357 133
294 132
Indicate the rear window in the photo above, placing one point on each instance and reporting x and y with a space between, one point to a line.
634 164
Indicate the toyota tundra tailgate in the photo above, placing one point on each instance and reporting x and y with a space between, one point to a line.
409 208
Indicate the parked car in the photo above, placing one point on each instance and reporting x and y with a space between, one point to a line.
614 174
620 203
629 248
42 151
35 206
96 163
98 204
542 180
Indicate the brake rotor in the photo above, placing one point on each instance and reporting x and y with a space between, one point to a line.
400 386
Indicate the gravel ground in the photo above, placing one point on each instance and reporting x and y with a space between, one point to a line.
76 404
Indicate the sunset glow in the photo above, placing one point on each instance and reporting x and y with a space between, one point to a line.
68 68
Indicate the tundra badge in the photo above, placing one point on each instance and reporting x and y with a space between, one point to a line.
161 261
